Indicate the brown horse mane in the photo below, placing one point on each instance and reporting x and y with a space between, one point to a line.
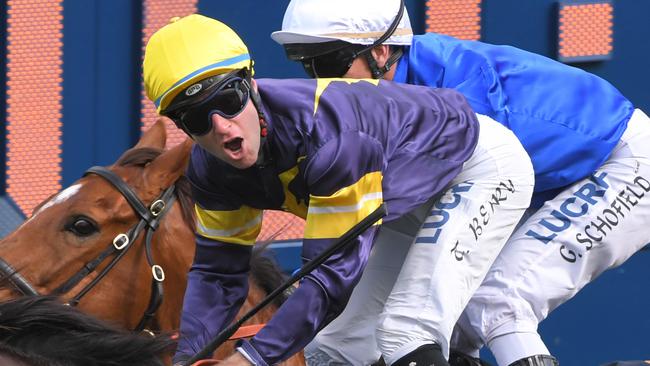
140 157
266 273
39 330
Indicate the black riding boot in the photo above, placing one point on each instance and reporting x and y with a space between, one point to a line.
427 355
537 360
460 359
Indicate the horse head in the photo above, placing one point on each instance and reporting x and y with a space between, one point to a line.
69 244
119 240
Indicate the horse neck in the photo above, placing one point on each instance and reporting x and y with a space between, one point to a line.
255 296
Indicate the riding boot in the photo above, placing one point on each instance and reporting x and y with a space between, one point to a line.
537 360
460 359
427 355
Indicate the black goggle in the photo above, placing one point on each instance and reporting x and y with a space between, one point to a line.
333 64
225 95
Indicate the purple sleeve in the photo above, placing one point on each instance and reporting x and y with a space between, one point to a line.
217 286
320 298
323 294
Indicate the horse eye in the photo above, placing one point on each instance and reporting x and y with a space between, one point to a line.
82 226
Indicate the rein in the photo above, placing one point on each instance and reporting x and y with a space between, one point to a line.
149 220
16 279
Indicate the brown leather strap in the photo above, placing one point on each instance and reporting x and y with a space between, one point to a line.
246 331
208 362
243 332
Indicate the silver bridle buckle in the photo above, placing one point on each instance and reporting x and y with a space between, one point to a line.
158 273
120 241
157 207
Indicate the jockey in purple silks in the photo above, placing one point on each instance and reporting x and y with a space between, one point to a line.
330 151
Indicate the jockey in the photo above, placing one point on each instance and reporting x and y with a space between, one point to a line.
587 142
330 151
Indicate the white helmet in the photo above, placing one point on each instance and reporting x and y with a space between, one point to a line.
354 21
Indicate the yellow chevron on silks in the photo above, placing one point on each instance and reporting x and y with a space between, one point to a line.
322 84
236 227
291 204
331 216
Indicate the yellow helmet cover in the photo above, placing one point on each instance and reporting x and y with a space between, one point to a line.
187 50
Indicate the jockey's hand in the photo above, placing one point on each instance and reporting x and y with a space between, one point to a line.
236 359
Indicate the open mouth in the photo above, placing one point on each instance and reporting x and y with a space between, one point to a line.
234 144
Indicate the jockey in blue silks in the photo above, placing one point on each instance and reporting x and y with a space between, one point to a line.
589 149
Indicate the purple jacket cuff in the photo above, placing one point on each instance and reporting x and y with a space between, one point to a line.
246 348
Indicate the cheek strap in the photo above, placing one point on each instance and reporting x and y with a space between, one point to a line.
378 72
263 157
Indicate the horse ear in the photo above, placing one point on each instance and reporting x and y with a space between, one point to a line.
170 165
155 136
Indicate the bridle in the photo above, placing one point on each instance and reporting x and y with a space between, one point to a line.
149 221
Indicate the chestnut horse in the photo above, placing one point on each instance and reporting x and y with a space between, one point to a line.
119 243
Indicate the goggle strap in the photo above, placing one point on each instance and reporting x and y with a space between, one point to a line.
255 97
217 82
264 156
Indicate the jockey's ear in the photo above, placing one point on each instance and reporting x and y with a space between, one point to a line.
169 166
155 137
